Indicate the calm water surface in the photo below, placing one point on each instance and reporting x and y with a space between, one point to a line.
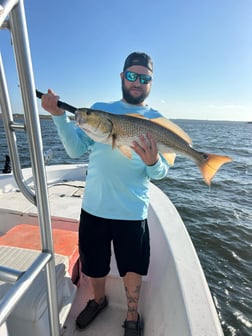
219 218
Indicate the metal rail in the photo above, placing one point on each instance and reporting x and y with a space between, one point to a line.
12 16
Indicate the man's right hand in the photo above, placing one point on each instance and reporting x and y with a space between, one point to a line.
49 103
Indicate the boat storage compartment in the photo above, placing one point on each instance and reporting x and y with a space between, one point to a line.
28 236
30 316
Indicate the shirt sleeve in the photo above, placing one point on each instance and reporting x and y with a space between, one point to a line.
159 170
74 139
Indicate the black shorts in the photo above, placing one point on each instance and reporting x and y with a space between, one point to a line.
130 240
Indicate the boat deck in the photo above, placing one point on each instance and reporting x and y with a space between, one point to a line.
64 199
109 321
175 299
19 215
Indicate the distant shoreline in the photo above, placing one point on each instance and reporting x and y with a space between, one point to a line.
41 116
45 116
21 116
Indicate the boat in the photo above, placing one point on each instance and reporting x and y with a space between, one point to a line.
41 287
175 298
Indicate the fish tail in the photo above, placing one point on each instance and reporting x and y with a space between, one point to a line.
211 165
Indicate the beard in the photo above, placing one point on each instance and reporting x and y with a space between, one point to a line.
127 96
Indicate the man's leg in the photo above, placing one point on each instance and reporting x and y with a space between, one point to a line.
94 306
132 283
132 251
95 253
98 285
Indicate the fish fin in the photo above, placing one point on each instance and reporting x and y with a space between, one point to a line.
168 124
126 151
211 165
136 115
169 157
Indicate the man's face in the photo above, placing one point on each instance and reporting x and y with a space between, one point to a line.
133 91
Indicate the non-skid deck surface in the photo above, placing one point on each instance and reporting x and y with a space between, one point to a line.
109 322
65 200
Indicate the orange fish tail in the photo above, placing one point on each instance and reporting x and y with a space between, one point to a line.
211 165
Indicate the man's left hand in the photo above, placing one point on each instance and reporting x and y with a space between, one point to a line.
146 148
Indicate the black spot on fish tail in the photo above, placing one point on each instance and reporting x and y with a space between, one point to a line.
204 155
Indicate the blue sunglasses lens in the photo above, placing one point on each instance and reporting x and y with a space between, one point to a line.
132 77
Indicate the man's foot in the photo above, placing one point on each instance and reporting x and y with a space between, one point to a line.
90 312
133 328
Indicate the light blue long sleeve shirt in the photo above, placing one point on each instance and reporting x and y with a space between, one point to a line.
116 187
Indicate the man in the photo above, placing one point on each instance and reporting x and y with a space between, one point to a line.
116 195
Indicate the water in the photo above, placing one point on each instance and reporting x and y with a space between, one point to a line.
219 218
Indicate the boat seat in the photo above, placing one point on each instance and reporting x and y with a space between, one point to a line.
28 236
30 316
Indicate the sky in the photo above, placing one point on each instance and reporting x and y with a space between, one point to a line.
202 53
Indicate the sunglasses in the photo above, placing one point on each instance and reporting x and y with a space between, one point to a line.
133 76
